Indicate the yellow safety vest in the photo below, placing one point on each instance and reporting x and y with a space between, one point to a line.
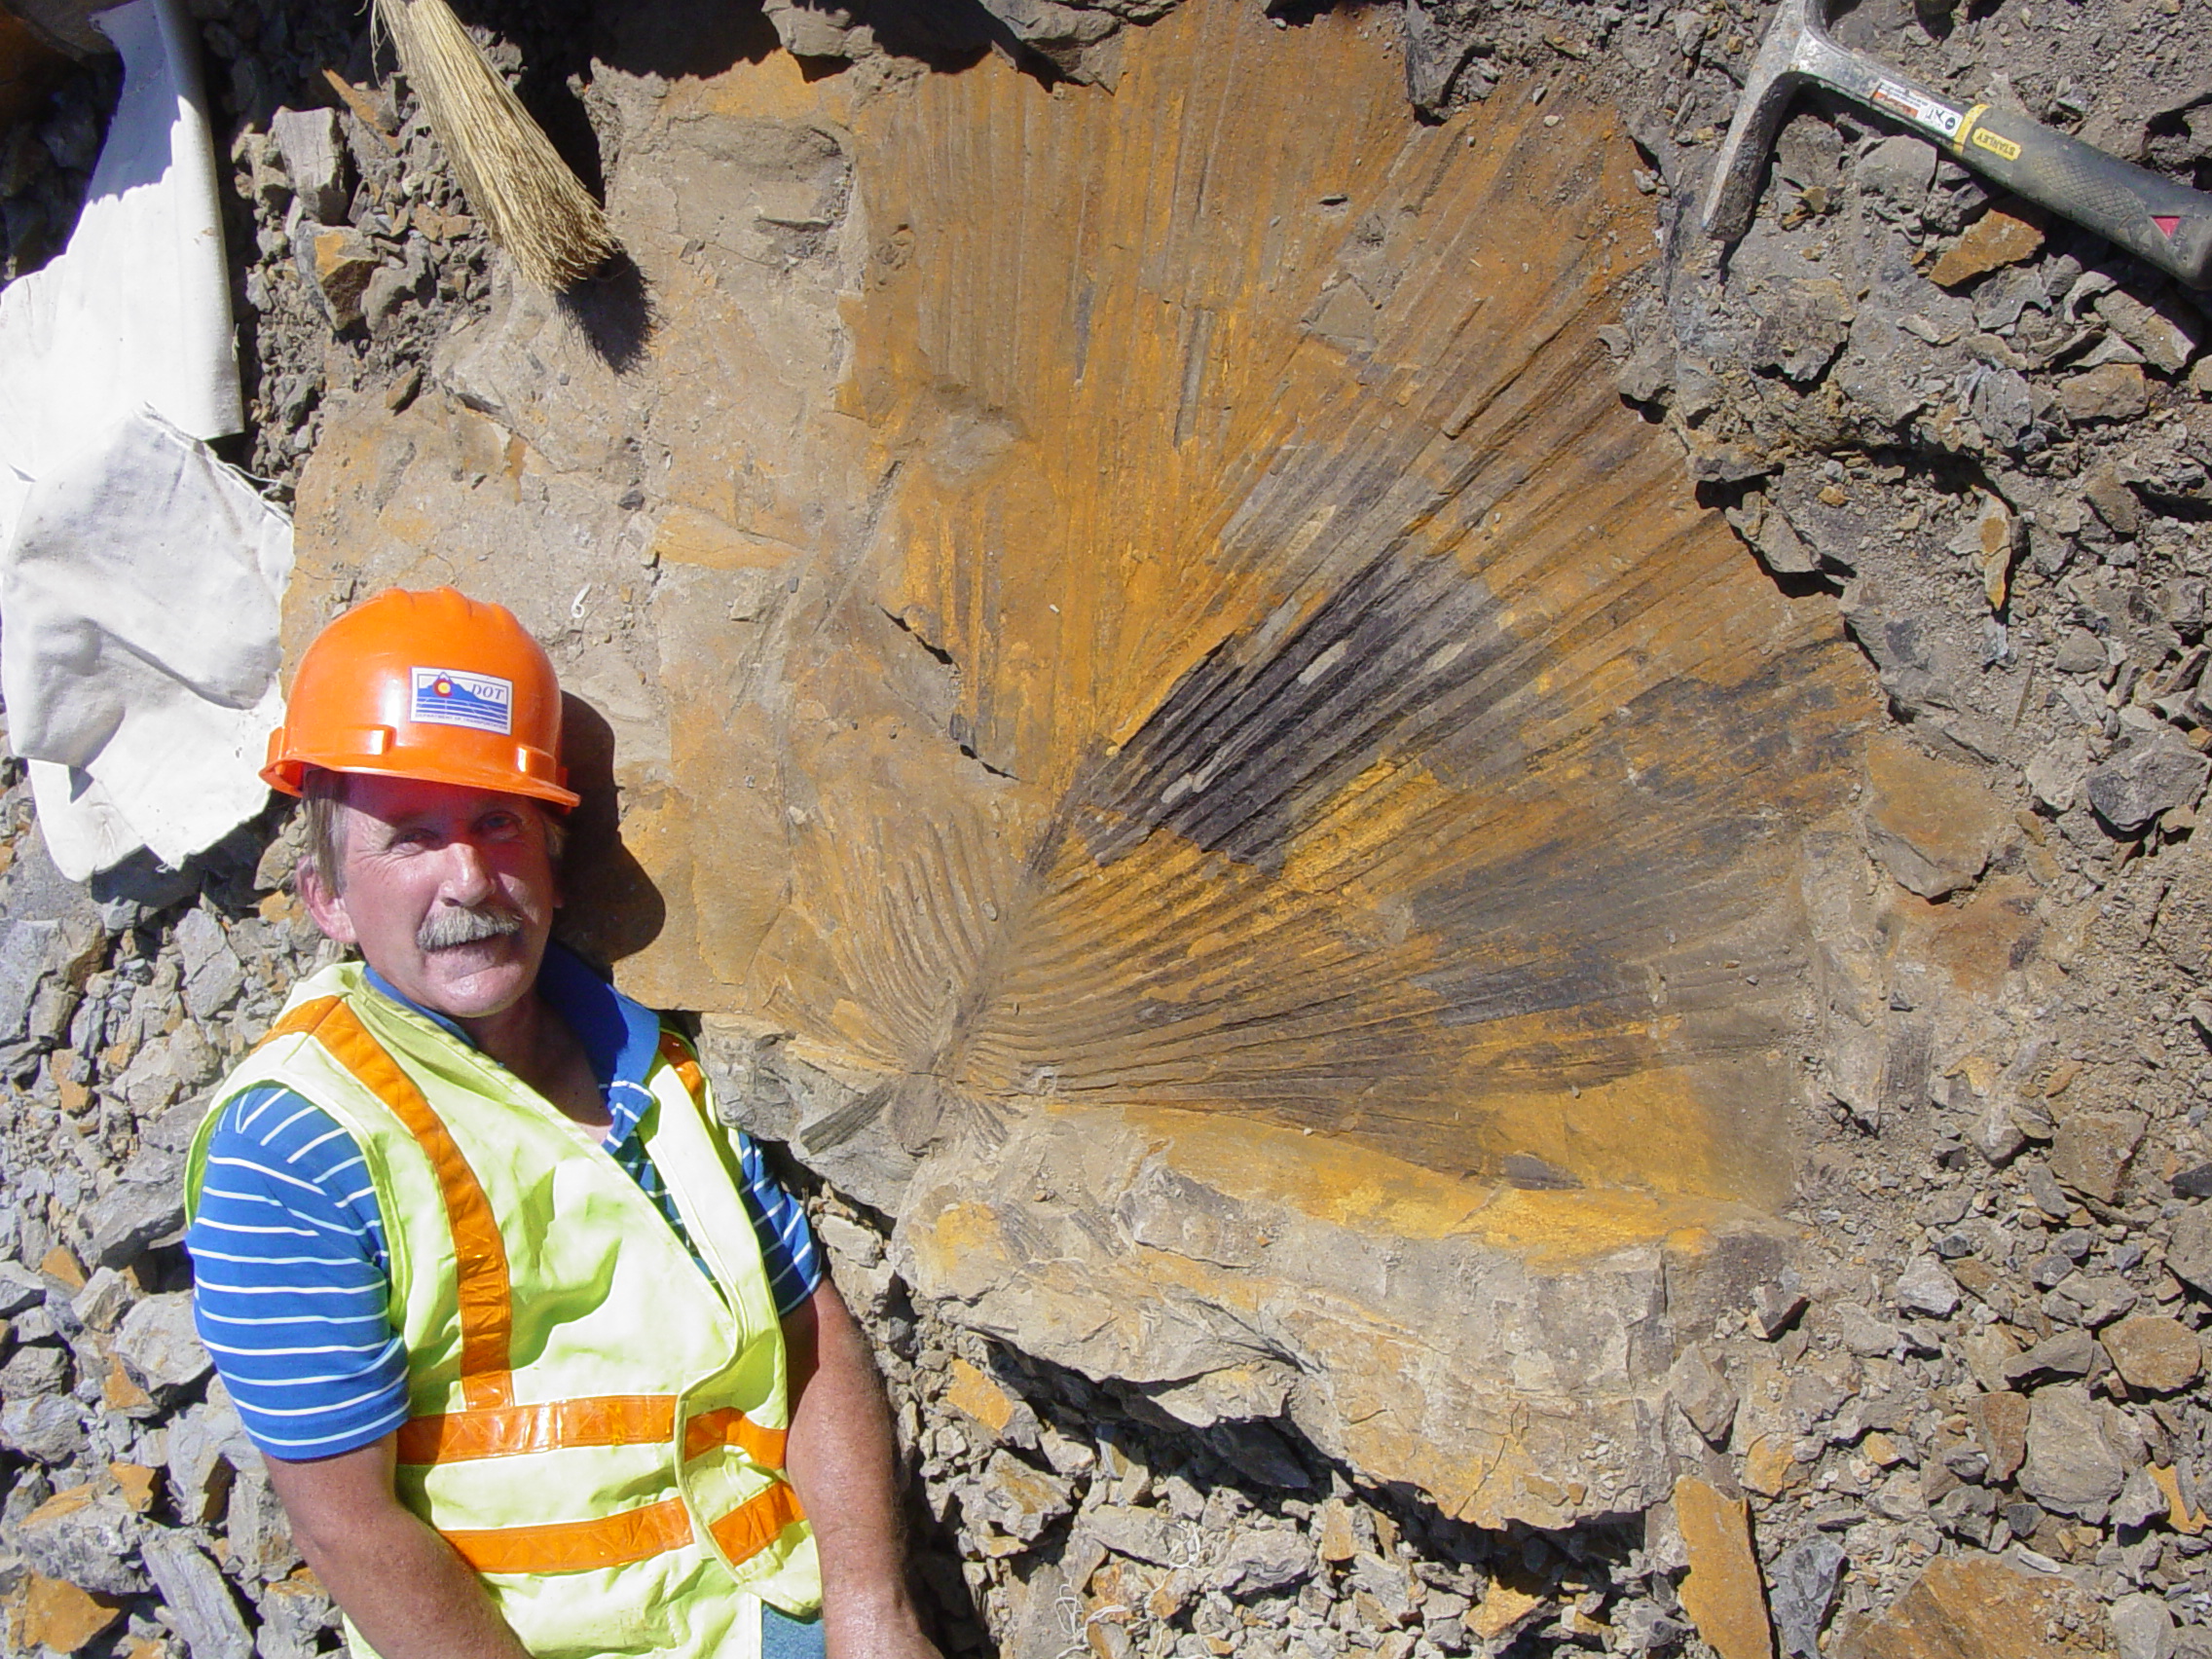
595 1428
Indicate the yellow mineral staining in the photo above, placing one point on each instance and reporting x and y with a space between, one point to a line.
1217 645
1169 507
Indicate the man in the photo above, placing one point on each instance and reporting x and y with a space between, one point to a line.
540 1356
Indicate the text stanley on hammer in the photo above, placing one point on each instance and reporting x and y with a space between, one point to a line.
2160 222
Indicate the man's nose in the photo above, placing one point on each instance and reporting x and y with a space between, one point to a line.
468 876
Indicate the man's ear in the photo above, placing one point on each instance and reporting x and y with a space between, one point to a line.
327 907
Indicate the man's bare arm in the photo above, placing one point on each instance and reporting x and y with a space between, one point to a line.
401 1583
841 1459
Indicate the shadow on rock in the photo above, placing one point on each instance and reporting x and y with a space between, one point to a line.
613 909
615 311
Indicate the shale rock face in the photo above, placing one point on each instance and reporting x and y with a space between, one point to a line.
1184 741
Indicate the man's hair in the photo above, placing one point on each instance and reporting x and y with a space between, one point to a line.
322 800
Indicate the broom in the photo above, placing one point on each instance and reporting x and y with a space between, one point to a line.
515 181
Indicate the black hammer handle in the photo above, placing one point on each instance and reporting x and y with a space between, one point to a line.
2162 223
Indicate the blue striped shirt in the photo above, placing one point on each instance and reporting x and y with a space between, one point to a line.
292 1275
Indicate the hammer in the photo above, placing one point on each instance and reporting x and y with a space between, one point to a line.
2160 222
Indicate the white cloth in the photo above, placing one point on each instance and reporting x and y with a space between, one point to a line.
139 652
138 310
138 573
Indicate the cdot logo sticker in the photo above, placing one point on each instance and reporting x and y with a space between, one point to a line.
444 696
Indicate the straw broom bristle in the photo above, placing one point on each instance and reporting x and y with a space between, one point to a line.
516 183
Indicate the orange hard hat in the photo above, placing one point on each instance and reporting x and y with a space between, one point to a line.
432 685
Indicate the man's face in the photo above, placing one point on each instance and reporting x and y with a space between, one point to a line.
448 892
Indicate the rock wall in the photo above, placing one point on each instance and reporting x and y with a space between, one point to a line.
1118 616
1060 710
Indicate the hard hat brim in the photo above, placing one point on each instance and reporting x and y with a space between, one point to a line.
285 775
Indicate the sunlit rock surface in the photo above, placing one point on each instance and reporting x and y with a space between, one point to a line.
1180 737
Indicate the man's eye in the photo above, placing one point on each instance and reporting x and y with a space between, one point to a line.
506 826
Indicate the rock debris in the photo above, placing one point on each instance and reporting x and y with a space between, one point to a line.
1974 1399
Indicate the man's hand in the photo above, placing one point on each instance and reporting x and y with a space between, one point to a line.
842 1460
401 1583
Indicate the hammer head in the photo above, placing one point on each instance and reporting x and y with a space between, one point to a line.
1796 34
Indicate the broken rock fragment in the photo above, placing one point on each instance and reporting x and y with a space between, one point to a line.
2090 1300
2066 1353
85 1537
1801 1590
2188 1251
1504 1611
2112 391
158 1341
2003 405
2142 1627
1990 541
2093 1151
51 1615
199 1605
337 265
1776 1307
2113 501
1020 1499
294 1613
2148 774
20 1289
1705 1395
2141 1499
2153 1352
1864 1335
2080 651
1926 1287
1719 461
2003 235
1802 334
314 152
144 1208
1723 1593
213 972
1259 1560
2000 1423
1932 823
1897 173
975 1393
2167 331
1977 1607
2060 767
1141 1535
2071 1467
46 1428
206 1443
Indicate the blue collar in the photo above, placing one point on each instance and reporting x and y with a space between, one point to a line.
621 1037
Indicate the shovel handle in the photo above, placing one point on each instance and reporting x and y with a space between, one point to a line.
2162 223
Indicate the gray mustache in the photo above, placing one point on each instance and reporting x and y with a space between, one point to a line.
451 926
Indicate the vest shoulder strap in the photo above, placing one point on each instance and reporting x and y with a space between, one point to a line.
680 1056
484 1287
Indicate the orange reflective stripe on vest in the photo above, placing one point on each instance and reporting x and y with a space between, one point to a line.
753 1526
487 1299
511 1431
635 1534
576 1546
608 1419
730 1427
672 1051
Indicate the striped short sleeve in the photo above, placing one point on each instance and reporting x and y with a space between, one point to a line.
787 1243
292 1279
